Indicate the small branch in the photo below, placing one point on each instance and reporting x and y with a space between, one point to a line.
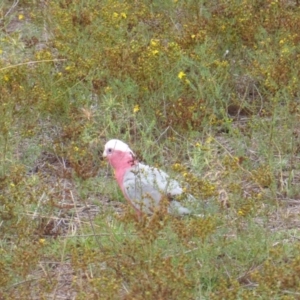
32 62
16 2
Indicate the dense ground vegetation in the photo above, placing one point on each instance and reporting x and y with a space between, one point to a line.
206 90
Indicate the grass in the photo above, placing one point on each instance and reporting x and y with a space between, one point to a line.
209 92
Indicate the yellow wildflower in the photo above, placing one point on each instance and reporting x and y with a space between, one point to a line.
123 15
241 213
136 108
209 140
154 42
21 17
115 15
42 241
176 166
181 75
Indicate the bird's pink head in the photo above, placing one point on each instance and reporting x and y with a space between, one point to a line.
119 155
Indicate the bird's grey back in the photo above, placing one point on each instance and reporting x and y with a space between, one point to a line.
145 187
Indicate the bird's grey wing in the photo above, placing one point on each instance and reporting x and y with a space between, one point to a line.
159 180
145 187
142 195
168 187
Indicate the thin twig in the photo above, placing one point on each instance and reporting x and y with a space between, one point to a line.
11 8
38 206
33 62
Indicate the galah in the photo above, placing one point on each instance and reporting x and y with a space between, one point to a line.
143 186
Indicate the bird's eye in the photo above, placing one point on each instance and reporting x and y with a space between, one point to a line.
109 150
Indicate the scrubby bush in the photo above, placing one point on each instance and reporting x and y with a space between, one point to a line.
208 91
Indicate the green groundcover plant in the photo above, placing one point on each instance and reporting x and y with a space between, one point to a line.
206 90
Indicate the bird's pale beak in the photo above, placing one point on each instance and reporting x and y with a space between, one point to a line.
104 154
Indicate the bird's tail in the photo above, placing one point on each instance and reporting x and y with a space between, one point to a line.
176 208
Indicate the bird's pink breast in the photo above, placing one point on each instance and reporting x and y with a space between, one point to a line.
121 162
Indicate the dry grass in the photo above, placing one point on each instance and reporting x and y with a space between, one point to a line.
207 91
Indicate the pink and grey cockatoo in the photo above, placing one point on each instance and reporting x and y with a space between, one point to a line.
143 186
